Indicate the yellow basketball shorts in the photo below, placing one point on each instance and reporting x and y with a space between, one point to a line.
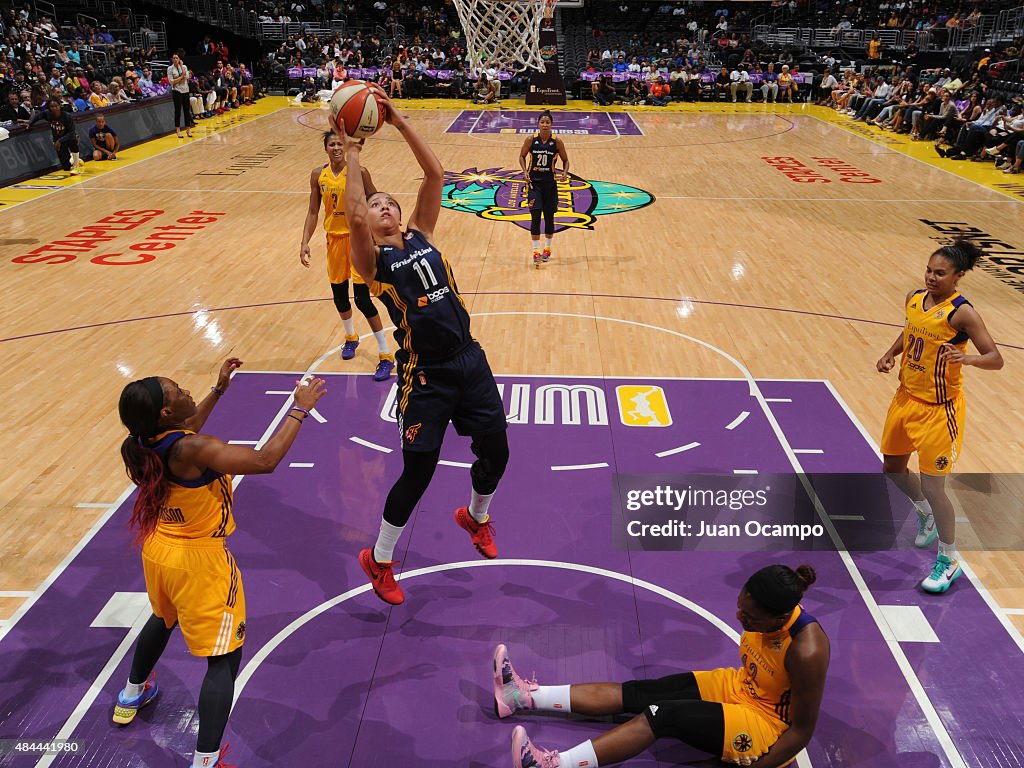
339 260
749 732
196 582
934 431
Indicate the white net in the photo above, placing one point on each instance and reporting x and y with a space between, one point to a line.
504 34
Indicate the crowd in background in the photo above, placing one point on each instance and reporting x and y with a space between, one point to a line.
973 113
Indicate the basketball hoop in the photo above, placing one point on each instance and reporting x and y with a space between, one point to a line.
504 34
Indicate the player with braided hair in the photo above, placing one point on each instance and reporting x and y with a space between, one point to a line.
763 711
182 517
926 416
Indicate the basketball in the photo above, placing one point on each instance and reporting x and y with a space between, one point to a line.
356 110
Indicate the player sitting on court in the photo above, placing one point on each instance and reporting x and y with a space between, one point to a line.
762 713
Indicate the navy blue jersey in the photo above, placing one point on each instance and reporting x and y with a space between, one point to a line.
542 158
417 286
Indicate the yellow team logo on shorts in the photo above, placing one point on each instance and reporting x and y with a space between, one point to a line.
240 632
941 463
743 742
643 405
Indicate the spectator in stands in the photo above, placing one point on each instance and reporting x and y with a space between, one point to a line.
97 98
972 136
131 87
931 123
103 137
117 94
723 84
677 82
787 86
73 53
10 112
825 88
770 84
230 85
246 88
739 81
874 48
1015 166
26 109
146 81
1003 138
659 93
79 100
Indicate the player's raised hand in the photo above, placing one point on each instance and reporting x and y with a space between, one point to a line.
307 393
227 368
391 114
885 364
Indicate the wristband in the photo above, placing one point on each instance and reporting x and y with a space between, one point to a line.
293 416
299 408
216 391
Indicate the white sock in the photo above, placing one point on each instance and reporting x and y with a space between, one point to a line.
949 550
384 549
350 326
131 690
580 756
205 759
536 246
478 505
382 341
74 159
552 698
923 508
547 243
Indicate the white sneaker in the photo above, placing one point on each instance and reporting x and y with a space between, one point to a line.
926 531
944 573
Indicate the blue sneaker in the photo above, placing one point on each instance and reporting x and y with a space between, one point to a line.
384 368
926 531
944 573
126 709
348 351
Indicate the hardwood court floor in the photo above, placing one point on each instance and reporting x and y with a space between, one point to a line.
792 279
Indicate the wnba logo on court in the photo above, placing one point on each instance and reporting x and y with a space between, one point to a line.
643 405
500 194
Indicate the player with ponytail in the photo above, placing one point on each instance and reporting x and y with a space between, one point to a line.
764 711
182 518
926 416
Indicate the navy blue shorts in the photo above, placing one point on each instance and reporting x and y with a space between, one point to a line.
461 390
543 196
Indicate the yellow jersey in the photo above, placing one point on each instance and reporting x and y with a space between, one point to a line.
194 509
332 190
923 374
762 681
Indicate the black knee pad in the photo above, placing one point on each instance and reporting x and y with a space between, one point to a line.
363 300
492 458
341 300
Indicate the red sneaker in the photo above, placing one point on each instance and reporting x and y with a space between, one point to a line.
382 578
481 533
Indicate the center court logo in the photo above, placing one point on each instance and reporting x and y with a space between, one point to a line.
499 194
